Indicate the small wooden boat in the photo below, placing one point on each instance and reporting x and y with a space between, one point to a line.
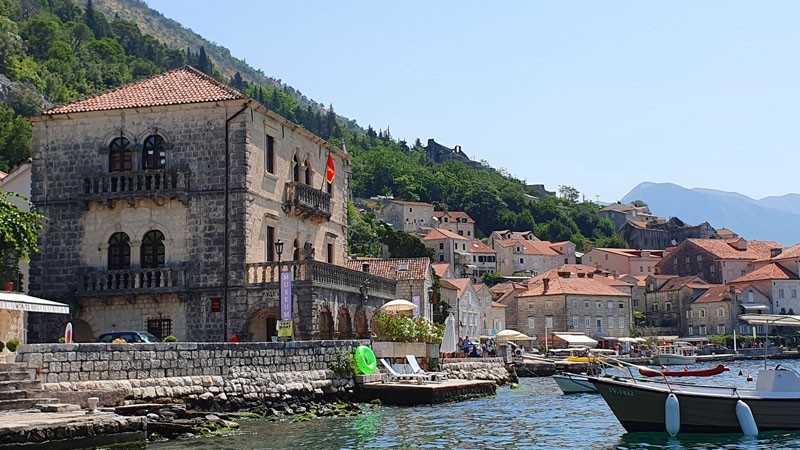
683 373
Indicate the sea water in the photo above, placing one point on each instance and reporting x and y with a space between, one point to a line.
537 416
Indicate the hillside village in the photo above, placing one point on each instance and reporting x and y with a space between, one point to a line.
174 211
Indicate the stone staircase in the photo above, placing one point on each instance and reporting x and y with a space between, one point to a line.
18 389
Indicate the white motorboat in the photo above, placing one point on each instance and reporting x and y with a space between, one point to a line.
679 353
570 383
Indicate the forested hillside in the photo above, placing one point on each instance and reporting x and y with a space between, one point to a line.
59 50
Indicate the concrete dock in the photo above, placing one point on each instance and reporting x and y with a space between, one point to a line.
412 393
33 429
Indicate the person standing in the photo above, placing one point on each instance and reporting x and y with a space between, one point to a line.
467 345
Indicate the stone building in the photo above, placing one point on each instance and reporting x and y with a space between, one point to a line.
712 312
666 301
661 234
620 213
414 277
531 257
715 260
167 200
411 217
465 305
623 260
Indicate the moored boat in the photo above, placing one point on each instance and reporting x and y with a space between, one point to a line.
573 384
683 373
680 353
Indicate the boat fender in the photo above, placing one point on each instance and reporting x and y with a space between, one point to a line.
746 420
672 415
518 352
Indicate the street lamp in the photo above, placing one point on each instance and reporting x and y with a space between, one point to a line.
279 251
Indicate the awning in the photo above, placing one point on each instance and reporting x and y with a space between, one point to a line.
752 306
771 319
576 339
23 302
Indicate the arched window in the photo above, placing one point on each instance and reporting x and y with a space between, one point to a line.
296 251
296 169
154 154
119 252
153 249
309 174
120 157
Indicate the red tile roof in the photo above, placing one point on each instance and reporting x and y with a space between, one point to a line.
725 249
403 202
418 268
479 247
498 305
440 233
440 268
714 293
630 253
726 233
789 253
571 286
453 215
673 284
3 174
458 284
543 248
769 272
177 87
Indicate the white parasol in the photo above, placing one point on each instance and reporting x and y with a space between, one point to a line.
449 339
507 333
398 305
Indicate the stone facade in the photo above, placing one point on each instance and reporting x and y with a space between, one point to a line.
411 217
236 179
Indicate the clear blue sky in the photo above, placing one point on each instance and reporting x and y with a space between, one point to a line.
596 95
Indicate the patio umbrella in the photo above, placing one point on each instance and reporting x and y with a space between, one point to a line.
398 305
639 339
449 339
627 339
519 337
507 333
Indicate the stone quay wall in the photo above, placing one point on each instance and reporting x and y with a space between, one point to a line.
206 373
492 369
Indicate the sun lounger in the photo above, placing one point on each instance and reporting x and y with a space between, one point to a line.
396 376
432 376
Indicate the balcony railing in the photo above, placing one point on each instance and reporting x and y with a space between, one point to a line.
160 182
266 273
304 200
162 279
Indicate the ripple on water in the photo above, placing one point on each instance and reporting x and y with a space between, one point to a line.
538 416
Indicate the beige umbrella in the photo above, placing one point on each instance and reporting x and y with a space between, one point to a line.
627 339
507 333
519 337
398 305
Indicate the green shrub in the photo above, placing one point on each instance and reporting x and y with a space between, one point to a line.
401 328
345 364
12 345
61 340
170 338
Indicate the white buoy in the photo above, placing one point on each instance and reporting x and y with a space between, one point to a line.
746 420
672 415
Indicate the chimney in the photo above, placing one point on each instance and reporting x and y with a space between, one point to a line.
365 267
546 282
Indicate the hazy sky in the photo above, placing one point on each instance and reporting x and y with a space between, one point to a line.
596 95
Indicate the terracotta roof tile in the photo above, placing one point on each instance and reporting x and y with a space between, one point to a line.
458 284
498 305
404 202
440 269
453 215
440 233
180 86
789 253
571 286
714 293
477 246
418 268
769 272
724 249
675 283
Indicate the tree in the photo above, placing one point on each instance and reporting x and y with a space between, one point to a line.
19 233
611 242
491 278
569 193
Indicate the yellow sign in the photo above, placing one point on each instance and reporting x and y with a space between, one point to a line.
285 328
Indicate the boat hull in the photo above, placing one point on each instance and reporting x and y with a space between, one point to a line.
640 407
574 384
674 360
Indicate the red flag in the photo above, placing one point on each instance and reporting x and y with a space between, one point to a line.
330 173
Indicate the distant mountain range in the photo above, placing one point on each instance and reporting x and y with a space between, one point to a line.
770 218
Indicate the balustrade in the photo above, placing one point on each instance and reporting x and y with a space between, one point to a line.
259 274
307 200
144 182
118 281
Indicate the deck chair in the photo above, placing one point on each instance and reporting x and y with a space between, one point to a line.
431 376
396 376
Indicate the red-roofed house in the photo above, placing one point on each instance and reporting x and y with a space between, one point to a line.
508 235
458 222
567 302
167 198
464 305
715 260
623 260
484 260
450 248
666 301
411 217
713 311
414 278
528 257
770 289
443 271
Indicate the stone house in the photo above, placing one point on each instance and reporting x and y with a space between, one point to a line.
465 305
573 302
661 234
506 294
173 204
484 260
712 312
622 260
621 213
450 248
414 277
411 217
519 256
770 289
458 222
508 235
715 260
443 271
667 299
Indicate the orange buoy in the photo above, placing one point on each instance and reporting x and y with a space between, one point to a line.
749 377
740 372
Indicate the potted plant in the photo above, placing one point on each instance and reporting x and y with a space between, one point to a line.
12 348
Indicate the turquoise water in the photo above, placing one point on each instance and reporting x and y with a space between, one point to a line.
538 416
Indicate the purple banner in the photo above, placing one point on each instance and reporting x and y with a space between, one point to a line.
416 300
286 295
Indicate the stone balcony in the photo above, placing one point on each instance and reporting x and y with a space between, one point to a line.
265 274
121 282
305 201
156 184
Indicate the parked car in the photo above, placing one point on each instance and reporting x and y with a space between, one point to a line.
128 336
